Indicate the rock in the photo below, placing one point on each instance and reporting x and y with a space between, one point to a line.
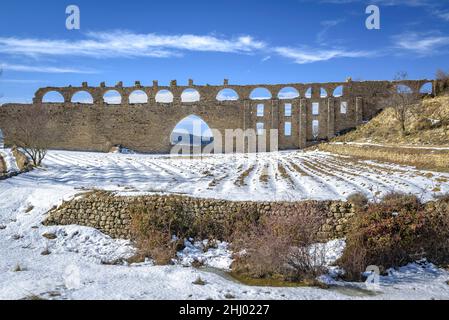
49 236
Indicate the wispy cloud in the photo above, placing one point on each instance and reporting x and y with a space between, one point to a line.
435 8
124 44
442 14
42 69
408 3
326 26
119 44
127 44
307 55
420 43
22 81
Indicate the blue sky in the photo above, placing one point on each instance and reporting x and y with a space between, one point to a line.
245 41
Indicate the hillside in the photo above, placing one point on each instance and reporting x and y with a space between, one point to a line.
428 125
425 145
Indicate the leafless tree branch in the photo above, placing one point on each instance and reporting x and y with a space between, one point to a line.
31 135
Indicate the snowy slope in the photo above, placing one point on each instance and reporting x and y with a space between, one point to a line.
80 260
10 160
270 176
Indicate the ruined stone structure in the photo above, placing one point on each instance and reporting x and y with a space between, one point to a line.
316 113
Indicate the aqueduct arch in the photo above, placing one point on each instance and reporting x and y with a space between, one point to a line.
82 97
145 125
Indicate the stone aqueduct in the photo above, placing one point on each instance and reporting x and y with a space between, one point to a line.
146 127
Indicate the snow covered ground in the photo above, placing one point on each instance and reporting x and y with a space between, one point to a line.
262 177
80 262
11 165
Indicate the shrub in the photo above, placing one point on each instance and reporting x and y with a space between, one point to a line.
158 232
280 247
423 124
394 232
437 248
199 282
153 228
358 200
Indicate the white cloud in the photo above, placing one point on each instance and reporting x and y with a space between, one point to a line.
227 95
22 81
424 44
190 96
409 3
123 44
4 100
41 69
303 56
127 44
288 94
442 14
138 97
327 25
164 96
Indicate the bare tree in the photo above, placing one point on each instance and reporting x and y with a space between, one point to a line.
403 101
1 73
442 75
442 78
31 134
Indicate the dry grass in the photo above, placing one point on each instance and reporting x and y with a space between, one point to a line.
298 169
437 160
427 124
284 174
265 175
241 179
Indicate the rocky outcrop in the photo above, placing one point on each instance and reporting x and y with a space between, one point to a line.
15 163
21 159
3 168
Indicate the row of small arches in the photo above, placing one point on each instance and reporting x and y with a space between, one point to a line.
189 95
192 95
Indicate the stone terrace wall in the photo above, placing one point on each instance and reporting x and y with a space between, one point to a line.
111 214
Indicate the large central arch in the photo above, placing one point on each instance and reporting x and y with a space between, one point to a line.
191 131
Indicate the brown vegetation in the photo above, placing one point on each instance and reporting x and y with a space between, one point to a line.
396 231
420 158
427 124
279 247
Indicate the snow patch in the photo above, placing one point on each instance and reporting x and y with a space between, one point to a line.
10 160
218 256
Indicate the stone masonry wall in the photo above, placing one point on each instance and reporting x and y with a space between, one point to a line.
111 214
146 127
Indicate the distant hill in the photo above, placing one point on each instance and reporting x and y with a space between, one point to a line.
190 139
